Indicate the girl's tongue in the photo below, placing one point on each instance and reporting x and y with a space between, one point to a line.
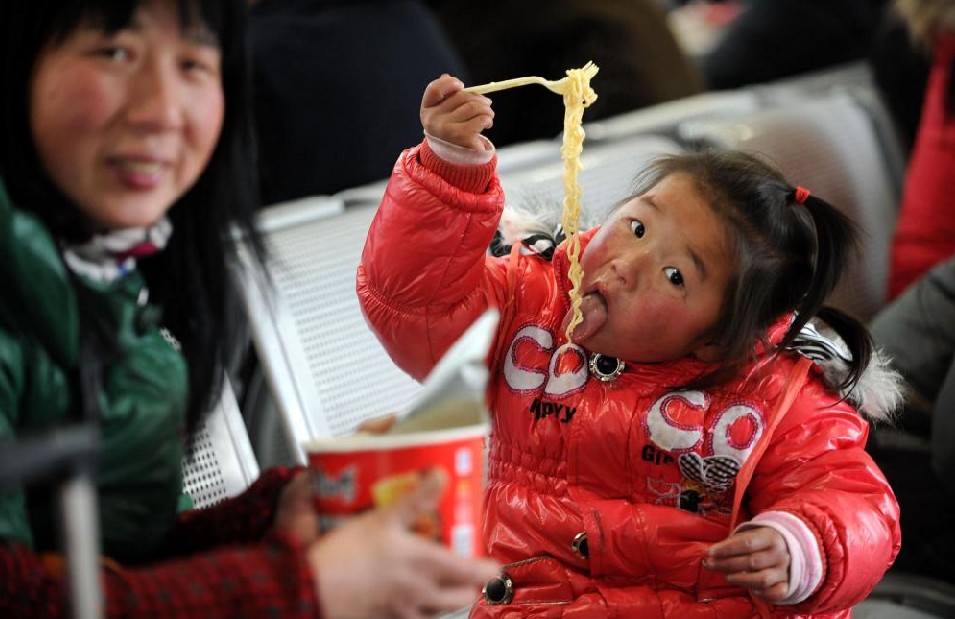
594 308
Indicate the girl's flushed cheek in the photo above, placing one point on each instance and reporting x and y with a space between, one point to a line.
662 319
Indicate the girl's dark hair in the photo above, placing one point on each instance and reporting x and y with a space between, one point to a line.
189 279
789 255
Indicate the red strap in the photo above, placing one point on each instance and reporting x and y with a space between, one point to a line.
793 385
790 391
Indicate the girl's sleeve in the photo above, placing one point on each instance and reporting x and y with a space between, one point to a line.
269 579
238 520
817 469
425 274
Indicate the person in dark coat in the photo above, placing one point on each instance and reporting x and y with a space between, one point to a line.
773 39
640 61
917 330
337 86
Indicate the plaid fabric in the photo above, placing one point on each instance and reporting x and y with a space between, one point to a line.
250 571
238 520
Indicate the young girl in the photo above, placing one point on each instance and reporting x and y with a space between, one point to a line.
676 459
125 143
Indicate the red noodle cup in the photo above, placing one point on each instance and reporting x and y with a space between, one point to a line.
353 474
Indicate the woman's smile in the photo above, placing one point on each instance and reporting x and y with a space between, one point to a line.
125 121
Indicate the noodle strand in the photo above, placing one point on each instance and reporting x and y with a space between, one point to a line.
577 95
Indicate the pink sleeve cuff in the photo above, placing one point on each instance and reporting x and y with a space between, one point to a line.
458 155
805 563
442 159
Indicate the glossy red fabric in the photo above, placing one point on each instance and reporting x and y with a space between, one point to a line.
925 230
647 470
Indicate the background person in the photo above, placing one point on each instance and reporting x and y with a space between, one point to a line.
337 87
640 61
925 228
773 39
917 331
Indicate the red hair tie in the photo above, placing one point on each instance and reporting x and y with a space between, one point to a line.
801 194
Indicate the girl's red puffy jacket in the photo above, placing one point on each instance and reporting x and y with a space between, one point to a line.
652 474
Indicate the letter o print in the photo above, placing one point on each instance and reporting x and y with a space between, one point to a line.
521 378
736 431
669 434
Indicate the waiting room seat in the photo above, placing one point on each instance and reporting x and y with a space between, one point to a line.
854 80
829 146
663 118
814 84
325 370
607 175
511 159
904 596
219 461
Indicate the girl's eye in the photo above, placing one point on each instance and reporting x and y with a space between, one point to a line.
673 274
636 226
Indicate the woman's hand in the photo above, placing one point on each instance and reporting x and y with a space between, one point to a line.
374 566
455 116
295 513
756 559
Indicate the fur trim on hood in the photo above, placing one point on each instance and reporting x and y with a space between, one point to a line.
536 224
879 392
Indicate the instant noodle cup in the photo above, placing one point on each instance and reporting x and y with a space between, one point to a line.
353 474
446 426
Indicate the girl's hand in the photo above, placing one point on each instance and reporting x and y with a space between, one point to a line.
374 566
377 425
756 559
455 116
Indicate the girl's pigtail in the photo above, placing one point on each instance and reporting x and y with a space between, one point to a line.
825 258
857 340
835 243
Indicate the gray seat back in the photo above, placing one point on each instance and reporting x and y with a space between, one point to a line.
219 461
829 146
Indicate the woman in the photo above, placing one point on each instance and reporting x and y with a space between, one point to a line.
124 160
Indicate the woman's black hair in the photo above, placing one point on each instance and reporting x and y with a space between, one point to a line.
790 252
190 278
